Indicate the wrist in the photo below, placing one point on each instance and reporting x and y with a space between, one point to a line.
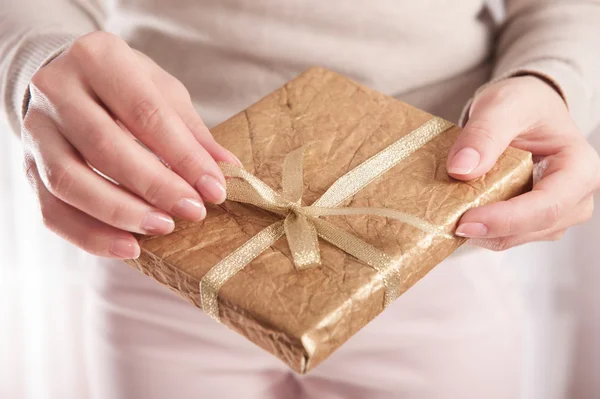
538 85
31 53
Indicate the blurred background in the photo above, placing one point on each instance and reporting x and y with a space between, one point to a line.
42 301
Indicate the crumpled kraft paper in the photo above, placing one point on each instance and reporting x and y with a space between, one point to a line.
303 316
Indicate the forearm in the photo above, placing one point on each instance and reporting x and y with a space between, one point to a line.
558 41
30 32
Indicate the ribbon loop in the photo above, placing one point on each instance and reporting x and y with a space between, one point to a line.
293 181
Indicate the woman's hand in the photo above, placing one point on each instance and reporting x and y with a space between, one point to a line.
527 113
86 107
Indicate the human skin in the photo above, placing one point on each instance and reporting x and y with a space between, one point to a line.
91 104
528 113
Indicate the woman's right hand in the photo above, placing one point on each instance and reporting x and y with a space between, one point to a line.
88 106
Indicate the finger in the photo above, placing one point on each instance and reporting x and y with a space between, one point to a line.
203 136
566 181
96 135
78 228
581 214
505 243
68 178
494 122
179 98
136 102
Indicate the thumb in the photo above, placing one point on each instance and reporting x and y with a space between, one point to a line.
495 119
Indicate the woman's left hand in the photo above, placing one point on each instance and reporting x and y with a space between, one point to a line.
527 113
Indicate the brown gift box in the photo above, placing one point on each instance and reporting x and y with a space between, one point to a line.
303 316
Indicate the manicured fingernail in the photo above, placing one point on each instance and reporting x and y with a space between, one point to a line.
125 249
211 189
472 230
189 208
157 223
236 159
464 162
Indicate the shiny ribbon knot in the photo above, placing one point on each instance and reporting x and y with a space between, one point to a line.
302 225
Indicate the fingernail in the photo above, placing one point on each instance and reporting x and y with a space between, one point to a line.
472 230
157 223
211 189
236 159
464 162
189 208
125 249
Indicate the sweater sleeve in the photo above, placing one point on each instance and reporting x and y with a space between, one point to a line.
31 32
556 40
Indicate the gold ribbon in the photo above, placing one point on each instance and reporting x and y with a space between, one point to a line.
302 225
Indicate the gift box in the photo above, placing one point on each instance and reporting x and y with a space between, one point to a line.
343 204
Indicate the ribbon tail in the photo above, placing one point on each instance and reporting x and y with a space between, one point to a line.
364 252
303 241
233 263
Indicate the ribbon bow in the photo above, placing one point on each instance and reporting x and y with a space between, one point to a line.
302 225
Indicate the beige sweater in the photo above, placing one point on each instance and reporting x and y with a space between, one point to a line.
229 53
